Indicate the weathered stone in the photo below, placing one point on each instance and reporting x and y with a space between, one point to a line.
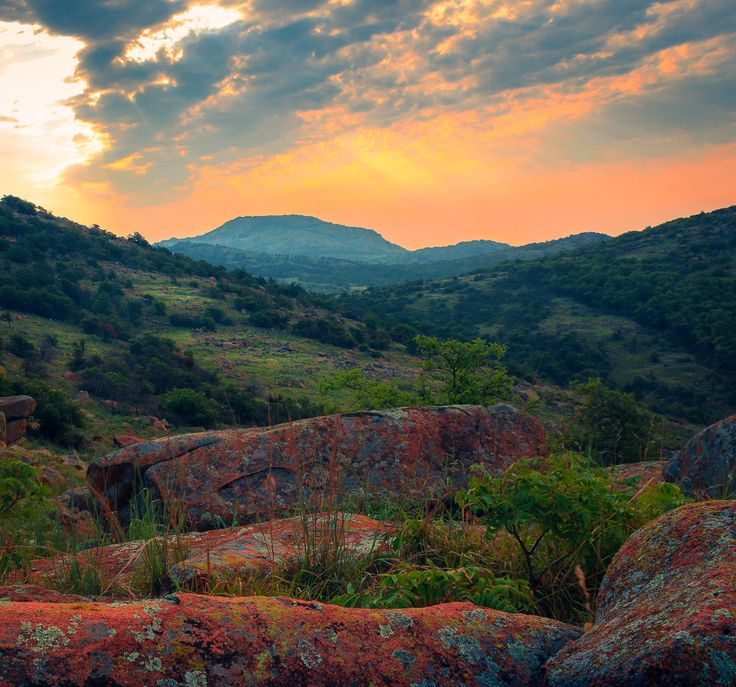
126 440
706 465
17 406
638 475
667 608
32 592
188 640
248 474
15 430
226 553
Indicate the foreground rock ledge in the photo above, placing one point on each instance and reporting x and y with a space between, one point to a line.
667 612
255 474
191 640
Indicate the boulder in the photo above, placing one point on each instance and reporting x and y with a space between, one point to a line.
234 551
667 608
14 407
15 430
249 474
706 466
638 475
188 640
126 440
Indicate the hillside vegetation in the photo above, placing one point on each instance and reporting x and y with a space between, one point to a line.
649 311
107 332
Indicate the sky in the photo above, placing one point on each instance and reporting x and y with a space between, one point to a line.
430 121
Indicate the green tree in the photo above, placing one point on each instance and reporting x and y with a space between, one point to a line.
611 426
462 371
368 393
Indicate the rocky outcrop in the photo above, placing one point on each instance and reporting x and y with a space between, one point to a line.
667 608
249 474
188 640
706 466
14 411
223 554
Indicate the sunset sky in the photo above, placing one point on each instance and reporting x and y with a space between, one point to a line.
430 121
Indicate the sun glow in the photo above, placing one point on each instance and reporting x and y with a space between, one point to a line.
40 136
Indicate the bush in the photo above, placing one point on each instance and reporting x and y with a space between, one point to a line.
20 346
567 521
191 407
58 417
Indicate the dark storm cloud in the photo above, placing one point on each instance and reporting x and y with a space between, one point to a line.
98 19
296 55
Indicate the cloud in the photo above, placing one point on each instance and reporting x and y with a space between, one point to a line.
170 84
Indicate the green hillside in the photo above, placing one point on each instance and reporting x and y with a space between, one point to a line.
651 312
119 328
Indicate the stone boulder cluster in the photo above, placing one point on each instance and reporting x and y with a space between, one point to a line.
666 612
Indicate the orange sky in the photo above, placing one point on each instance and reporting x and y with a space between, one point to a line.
430 129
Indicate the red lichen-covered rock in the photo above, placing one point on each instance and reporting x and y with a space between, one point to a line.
706 465
245 474
35 593
126 439
229 552
638 475
667 608
188 640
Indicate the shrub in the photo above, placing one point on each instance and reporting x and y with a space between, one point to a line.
567 521
192 407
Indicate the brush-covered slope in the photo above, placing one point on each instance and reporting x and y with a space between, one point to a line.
650 311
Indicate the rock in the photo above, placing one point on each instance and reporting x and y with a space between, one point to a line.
228 552
17 406
126 439
15 430
161 425
73 461
667 608
706 465
190 640
638 475
32 592
82 397
78 499
246 474
51 478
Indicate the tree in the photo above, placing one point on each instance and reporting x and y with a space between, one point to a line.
192 407
611 426
463 372
367 393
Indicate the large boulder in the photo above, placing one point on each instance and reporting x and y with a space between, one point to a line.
706 465
13 413
667 608
221 554
187 640
252 474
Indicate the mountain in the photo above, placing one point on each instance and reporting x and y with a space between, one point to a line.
328 258
650 312
300 235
